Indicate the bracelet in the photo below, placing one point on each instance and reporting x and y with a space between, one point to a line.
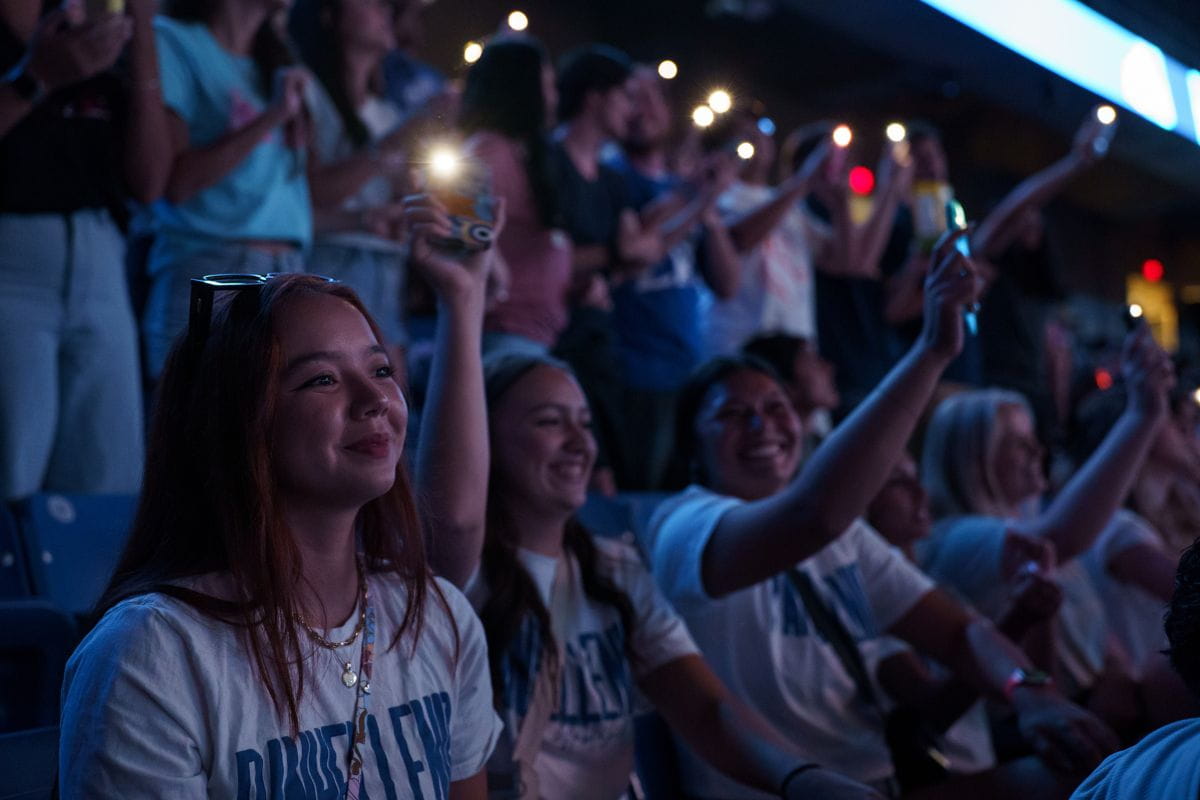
787 779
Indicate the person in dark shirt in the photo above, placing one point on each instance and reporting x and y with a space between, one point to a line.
76 139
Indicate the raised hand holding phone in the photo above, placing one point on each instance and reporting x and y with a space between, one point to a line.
956 220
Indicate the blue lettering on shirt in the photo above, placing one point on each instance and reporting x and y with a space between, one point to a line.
845 595
313 766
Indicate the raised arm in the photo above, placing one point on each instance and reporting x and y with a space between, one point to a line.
999 228
148 153
1096 491
751 229
453 456
736 740
755 540
195 169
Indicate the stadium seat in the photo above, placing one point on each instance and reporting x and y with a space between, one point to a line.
14 576
72 543
36 638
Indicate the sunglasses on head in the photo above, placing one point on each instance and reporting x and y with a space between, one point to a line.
204 290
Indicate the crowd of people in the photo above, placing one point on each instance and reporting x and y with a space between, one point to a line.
899 552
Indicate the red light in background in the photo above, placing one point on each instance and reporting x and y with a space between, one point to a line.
1152 270
1104 379
862 180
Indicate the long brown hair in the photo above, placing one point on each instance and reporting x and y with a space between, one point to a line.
209 503
513 601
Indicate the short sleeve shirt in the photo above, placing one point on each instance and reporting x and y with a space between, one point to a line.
762 644
215 93
587 747
162 701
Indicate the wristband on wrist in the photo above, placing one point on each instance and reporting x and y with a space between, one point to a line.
787 779
1036 679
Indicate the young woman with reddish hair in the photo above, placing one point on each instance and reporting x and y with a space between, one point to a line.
272 625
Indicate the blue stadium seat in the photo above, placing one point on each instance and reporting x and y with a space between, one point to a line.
28 764
72 544
14 576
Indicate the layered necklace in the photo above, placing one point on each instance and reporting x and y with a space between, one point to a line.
350 678
359 681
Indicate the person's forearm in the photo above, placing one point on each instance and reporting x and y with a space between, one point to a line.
870 239
752 229
722 264
453 456
330 184
1097 490
910 685
999 228
147 155
725 733
196 169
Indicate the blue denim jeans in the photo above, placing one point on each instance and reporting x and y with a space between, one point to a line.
166 312
70 398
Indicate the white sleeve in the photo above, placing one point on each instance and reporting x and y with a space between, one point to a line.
661 636
476 726
1126 531
893 584
131 714
678 533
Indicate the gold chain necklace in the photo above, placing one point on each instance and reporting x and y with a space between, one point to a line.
349 676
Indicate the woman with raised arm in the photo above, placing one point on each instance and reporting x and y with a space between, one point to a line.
236 196
272 625
785 589
575 625
982 465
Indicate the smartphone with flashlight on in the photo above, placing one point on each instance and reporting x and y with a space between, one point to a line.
956 220
464 187
99 8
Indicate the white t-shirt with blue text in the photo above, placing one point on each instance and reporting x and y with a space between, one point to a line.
762 644
162 701
587 746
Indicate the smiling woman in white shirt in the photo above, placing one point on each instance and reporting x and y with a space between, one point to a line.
272 623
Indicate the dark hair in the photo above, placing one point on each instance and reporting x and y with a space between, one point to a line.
779 350
209 500
691 397
503 94
1182 622
269 52
1094 417
594 68
313 27
513 601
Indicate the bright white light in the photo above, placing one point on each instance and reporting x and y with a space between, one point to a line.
1106 114
1135 310
703 116
896 132
842 135
518 21
720 101
472 52
443 163
1145 85
745 151
667 69
1098 54
1196 396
